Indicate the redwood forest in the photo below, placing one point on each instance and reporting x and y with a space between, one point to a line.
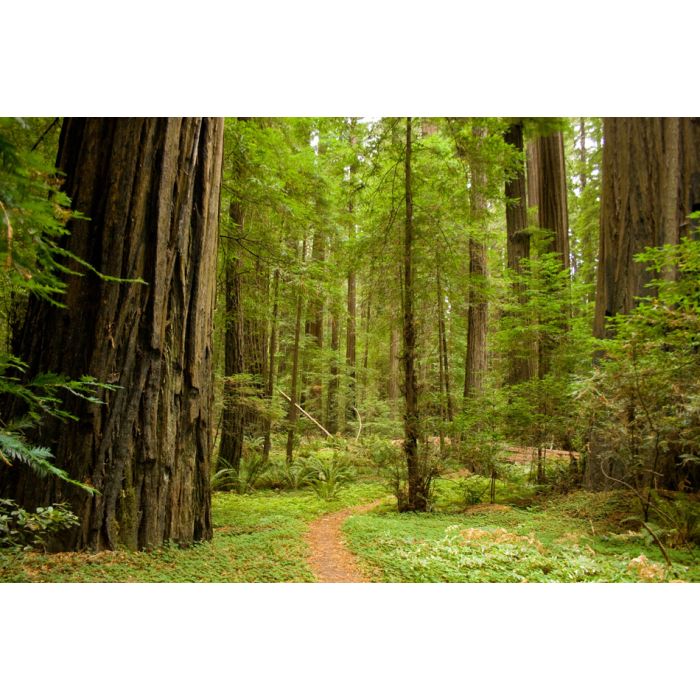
350 349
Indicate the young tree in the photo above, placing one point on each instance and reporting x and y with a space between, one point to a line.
150 188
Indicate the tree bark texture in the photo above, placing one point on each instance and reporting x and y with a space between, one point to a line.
518 242
553 212
649 166
649 169
150 188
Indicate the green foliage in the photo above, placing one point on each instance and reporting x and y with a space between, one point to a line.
20 528
329 477
575 538
643 398
245 479
258 537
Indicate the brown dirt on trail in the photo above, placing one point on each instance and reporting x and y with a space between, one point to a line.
330 560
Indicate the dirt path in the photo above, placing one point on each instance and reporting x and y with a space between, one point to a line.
330 560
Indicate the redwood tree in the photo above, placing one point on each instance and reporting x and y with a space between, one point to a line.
150 188
650 170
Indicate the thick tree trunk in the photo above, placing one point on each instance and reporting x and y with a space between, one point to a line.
646 195
649 168
477 310
417 482
150 188
518 247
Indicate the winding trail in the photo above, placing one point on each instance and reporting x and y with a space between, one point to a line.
330 560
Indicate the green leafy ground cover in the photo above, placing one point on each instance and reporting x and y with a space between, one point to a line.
525 537
573 538
257 538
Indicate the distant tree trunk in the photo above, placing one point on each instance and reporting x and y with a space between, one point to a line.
293 412
271 364
417 482
231 447
553 216
350 346
442 350
533 175
363 389
477 312
393 379
518 245
647 191
334 381
150 188
553 211
582 153
314 330
255 343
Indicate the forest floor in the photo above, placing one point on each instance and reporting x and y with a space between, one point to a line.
294 536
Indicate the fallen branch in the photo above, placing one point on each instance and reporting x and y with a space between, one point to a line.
308 415
359 418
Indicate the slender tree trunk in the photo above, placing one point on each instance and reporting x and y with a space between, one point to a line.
582 153
417 482
477 312
150 188
271 364
293 413
314 330
350 346
393 380
442 350
518 248
533 176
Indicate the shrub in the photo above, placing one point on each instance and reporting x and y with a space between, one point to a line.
20 528
328 478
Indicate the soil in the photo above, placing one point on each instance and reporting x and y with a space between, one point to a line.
330 560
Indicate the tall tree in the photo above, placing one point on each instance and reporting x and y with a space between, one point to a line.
417 483
647 193
231 447
518 238
150 188
649 168
477 309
